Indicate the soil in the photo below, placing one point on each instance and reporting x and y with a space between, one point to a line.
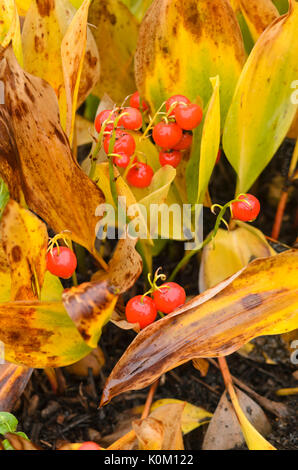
50 419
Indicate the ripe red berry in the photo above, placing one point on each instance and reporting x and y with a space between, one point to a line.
140 175
179 99
188 117
185 143
89 446
172 158
246 209
135 100
167 135
141 310
121 160
102 117
61 262
168 297
132 119
124 144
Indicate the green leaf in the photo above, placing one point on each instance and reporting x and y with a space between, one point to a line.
8 422
262 110
205 149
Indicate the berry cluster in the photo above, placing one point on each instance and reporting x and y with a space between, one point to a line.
121 120
174 133
143 309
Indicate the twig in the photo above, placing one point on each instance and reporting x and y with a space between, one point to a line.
149 400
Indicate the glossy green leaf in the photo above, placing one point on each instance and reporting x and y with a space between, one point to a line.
262 110
205 149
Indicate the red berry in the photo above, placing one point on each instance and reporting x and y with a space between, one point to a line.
185 143
141 310
135 100
124 143
246 209
172 158
176 99
140 175
167 135
89 446
168 297
132 119
102 117
61 263
188 117
121 160
218 156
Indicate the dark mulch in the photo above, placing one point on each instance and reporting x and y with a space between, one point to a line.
50 419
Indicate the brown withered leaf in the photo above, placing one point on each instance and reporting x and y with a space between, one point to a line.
259 300
150 433
19 442
124 268
13 380
224 431
53 184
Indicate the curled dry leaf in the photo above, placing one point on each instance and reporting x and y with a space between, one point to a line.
94 361
150 433
224 431
56 189
20 443
13 380
259 300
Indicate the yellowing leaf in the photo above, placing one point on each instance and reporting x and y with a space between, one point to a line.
13 380
72 62
258 14
231 251
259 300
205 149
281 5
253 132
138 7
45 26
25 241
116 36
192 416
166 65
56 189
23 6
10 28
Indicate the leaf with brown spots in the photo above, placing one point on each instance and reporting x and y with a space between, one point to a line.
13 380
166 65
48 27
25 242
19 442
10 28
53 184
259 300
116 35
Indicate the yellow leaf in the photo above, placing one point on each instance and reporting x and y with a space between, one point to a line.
259 300
116 36
72 62
45 26
231 251
192 416
258 14
23 6
253 132
10 28
284 392
165 63
205 149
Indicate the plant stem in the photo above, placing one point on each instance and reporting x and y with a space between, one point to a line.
149 400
